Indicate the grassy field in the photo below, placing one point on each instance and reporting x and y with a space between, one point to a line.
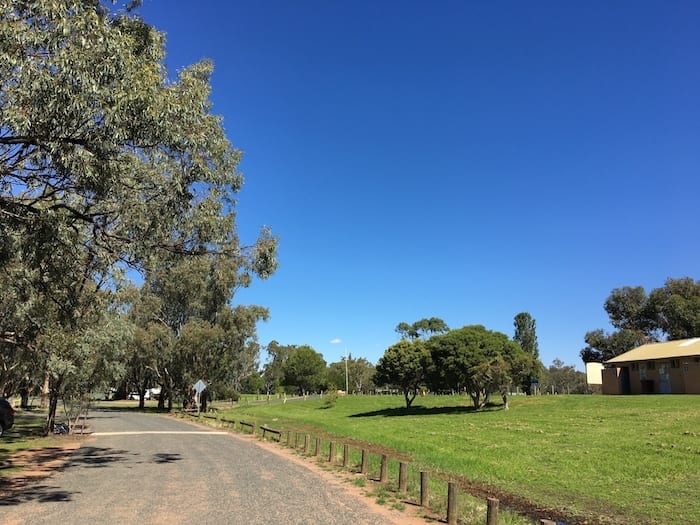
605 459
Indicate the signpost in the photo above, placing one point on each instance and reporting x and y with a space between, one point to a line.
199 387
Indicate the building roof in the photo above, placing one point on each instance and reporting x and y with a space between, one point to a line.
667 350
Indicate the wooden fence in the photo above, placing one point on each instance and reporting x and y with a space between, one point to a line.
302 442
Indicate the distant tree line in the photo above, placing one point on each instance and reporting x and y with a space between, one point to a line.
667 313
300 369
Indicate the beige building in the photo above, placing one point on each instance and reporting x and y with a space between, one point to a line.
672 367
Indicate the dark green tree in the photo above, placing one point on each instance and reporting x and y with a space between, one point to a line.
422 329
526 336
670 312
404 366
461 359
305 369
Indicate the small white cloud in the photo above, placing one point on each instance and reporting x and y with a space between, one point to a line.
336 341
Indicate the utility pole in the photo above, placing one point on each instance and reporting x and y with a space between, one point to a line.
346 371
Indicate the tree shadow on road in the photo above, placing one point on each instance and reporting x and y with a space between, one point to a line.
21 473
36 493
166 457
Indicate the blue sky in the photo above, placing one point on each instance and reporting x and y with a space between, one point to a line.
459 159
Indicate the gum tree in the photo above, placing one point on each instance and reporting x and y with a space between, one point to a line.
106 163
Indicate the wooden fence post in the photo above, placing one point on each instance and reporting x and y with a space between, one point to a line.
491 511
318 446
383 469
331 451
365 461
296 440
451 503
306 443
286 441
346 454
424 490
402 476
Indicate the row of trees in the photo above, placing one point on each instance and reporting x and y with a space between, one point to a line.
471 359
107 167
666 313
301 369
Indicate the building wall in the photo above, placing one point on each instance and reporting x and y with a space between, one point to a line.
611 381
644 377
690 369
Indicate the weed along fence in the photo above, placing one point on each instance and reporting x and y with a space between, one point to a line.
396 482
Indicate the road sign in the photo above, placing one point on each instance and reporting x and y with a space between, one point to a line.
199 386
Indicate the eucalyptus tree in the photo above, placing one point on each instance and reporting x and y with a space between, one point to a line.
105 163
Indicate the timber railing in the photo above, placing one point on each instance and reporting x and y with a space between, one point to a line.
436 494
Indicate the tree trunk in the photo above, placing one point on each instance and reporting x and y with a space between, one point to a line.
53 404
505 400
24 394
203 401
409 398
45 391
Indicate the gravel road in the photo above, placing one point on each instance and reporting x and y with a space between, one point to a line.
140 468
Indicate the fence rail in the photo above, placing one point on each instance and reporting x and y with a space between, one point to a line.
381 461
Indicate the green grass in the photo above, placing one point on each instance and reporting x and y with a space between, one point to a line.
622 459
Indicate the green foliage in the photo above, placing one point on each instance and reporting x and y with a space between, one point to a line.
360 374
331 397
422 328
474 359
563 379
273 371
305 369
671 312
403 365
108 162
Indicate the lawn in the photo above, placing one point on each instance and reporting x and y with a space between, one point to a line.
606 459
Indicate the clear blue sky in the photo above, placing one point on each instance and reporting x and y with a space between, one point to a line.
467 160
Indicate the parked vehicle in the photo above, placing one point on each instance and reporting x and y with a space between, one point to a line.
7 415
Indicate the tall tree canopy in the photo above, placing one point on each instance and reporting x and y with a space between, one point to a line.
526 336
422 328
105 162
669 312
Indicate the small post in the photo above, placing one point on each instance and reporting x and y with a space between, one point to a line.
365 461
253 428
306 443
318 446
383 470
346 454
491 511
296 440
424 490
286 440
452 503
331 451
403 474
547 522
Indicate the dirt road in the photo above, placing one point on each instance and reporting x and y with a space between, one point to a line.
139 468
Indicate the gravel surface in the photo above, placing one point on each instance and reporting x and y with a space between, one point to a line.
140 468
